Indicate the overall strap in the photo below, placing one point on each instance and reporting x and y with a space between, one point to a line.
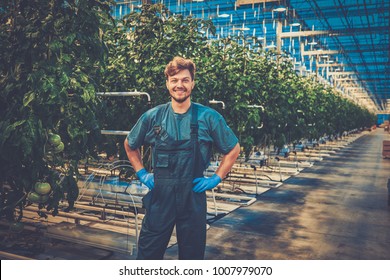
194 121
156 130
158 121
194 138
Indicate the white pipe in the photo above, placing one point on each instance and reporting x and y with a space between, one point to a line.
217 102
262 109
256 106
80 217
215 203
125 93
249 200
114 132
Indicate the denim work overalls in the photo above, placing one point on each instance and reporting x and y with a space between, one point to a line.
172 201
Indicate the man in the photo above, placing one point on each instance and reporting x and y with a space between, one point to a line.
182 134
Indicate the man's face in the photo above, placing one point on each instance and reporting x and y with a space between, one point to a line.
180 86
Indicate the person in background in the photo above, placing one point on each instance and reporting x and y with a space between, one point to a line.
182 134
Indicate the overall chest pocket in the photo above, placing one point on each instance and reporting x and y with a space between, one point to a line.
162 161
162 168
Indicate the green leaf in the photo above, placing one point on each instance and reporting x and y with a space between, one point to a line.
28 97
16 124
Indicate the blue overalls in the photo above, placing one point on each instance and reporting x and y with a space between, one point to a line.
172 202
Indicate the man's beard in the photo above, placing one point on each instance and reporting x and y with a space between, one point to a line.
180 100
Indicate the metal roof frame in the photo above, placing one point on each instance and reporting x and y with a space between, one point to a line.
353 34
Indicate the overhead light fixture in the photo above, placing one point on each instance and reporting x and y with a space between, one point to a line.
295 23
197 0
240 28
313 43
279 9
223 15
243 28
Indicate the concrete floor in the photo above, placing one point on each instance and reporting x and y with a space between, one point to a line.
338 209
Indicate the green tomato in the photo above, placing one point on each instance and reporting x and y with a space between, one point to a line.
54 139
42 188
34 197
59 148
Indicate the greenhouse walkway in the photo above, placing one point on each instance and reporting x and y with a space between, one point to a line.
337 209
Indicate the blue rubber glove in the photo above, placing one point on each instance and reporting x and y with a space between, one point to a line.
146 178
203 184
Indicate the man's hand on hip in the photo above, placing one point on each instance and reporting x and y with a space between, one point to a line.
202 184
146 178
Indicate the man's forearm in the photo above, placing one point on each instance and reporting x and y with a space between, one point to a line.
134 157
227 162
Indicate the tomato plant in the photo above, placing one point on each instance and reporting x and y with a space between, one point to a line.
50 61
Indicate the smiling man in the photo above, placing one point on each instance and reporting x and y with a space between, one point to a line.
182 134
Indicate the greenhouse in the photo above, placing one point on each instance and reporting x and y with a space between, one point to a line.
194 129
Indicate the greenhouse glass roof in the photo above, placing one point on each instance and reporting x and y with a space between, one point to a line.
343 42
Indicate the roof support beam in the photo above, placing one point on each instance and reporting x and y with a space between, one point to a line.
250 2
341 73
330 65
